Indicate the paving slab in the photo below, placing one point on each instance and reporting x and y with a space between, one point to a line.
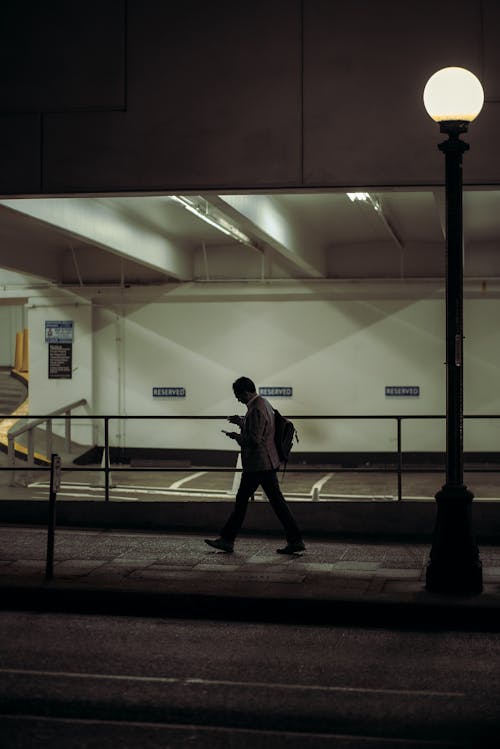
168 574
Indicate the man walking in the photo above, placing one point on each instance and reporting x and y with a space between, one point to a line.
260 462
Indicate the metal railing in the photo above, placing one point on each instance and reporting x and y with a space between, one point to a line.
66 414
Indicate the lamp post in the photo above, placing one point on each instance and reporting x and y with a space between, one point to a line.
453 97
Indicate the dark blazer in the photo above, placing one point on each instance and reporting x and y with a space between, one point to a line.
258 451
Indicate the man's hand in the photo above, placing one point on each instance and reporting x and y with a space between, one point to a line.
238 420
232 435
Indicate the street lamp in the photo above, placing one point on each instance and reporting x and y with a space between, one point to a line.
453 97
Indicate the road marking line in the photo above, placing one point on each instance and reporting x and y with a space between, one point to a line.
76 675
321 688
224 682
176 489
63 495
317 487
178 484
218 494
165 491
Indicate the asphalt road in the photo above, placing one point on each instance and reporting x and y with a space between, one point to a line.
87 681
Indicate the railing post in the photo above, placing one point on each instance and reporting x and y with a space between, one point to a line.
55 483
106 459
48 437
400 461
31 447
11 453
31 453
67 431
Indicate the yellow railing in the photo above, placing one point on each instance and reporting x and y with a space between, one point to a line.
21 358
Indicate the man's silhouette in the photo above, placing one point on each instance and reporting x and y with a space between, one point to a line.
260 462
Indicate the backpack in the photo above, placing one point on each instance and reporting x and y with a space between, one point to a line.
284 434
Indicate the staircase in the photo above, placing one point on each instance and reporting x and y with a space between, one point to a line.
13 403
12 392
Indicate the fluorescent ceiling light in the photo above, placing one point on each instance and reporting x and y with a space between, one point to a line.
218 222
206 218
361 196
364 197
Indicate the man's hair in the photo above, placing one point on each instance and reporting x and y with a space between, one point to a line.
244 385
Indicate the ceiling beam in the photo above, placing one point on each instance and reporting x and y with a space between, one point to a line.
95 222
263 218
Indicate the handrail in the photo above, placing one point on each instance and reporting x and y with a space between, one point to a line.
64 412
46 417
176 417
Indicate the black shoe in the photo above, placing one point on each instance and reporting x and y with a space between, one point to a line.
292 548
221 545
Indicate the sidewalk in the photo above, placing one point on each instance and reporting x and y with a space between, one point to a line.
177 575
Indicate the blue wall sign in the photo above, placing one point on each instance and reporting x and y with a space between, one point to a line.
58 331
164 392
281 392
411 391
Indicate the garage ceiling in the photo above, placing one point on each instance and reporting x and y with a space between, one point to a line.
156 239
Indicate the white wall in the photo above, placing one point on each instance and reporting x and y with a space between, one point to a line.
338 355
481 373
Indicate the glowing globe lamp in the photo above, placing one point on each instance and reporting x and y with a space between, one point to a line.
453 95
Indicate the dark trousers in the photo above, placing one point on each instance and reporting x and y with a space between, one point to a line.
268 480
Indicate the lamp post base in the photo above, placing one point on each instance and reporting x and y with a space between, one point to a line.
454 566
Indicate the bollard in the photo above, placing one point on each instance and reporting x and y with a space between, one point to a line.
237 475
55 483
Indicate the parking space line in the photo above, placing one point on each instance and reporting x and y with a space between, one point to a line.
178 484
178 488
317 487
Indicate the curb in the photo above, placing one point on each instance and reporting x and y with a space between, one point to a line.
421 611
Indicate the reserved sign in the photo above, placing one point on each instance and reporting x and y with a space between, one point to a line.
169 392
281 392
412 391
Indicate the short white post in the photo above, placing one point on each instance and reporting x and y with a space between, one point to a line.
101 481
237 476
